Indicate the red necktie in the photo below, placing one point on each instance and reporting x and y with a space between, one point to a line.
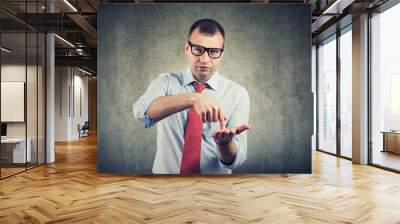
193 134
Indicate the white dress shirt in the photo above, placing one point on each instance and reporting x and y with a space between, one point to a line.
232 97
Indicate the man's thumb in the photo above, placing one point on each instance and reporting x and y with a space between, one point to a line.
242 128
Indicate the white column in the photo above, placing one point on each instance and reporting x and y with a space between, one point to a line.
50 93
360 90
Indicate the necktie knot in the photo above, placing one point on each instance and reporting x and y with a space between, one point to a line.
199 86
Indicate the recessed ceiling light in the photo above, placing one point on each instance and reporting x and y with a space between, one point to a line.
5 50
337 7
86 72
70 5
64 40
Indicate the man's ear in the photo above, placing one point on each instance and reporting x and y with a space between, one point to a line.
186 47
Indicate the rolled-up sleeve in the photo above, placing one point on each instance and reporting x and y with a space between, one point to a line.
157 88
240 116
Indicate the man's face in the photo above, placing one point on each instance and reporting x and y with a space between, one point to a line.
203 67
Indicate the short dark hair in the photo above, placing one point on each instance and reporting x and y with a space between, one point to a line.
208 27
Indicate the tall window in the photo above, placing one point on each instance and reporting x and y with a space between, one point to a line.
327 95
346 93
394 101
22 101
385 88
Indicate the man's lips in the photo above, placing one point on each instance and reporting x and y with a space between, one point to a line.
202 67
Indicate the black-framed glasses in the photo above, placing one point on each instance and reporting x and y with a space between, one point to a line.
199 50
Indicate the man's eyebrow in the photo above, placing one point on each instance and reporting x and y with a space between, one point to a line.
206 47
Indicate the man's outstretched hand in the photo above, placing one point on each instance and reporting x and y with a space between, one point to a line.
225 135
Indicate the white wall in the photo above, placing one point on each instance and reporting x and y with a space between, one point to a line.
16 73
80 84
62 81
12 73
33 127
70 83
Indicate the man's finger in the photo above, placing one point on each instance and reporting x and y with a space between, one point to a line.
226 131
242 128
204 117
217 114
209 116
223 133
232 132
221 119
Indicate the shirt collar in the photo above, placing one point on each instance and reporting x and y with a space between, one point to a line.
212 82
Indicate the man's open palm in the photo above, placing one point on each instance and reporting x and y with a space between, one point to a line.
225 135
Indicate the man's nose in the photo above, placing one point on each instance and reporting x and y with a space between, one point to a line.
204 57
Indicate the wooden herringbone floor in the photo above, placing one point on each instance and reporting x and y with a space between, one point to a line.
71 191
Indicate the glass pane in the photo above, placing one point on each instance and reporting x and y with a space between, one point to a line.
386 89
346 94
394 102
13 86
41 98
31 101
23 89
314 84
327 96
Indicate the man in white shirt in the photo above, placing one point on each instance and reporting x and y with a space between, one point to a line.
201 116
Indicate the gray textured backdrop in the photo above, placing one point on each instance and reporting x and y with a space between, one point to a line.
268 51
